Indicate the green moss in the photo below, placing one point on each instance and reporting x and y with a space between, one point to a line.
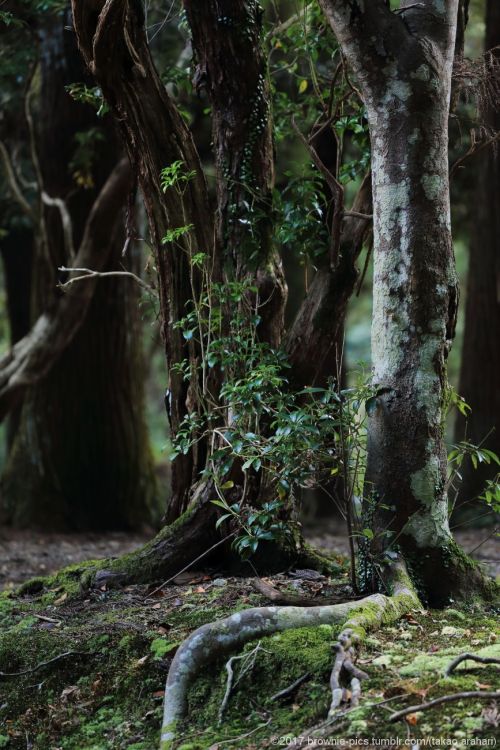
438 662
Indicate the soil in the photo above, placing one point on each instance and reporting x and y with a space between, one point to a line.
26 554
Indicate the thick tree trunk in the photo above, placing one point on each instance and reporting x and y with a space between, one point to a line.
81 457
16 249
113 42
481 353
405 81
232 66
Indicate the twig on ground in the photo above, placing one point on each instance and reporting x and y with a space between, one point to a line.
241 736
190 565
47 619
248 661
480 694
286 692
44 663
469 657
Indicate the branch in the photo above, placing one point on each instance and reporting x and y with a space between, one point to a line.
66 221
474 149
13 183
44 664
469 657
481 694
337 194
90 274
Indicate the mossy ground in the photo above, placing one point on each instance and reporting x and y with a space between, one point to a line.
109 695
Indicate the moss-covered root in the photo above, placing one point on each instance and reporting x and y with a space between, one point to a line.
215 639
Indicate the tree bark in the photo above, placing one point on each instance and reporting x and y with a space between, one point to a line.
112 40
403 64
16 249
480 352
232 67
81 457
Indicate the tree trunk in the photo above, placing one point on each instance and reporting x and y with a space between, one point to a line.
16 249
114 46
403 63
81 457
481 353
232 66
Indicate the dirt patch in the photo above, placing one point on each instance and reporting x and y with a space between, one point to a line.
26 554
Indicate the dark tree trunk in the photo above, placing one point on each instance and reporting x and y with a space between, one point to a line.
114 47
81 457
481 353
16 249
232 66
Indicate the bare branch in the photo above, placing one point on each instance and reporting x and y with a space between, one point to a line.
66 221
13 183
474 149
88 273
480 694
469 657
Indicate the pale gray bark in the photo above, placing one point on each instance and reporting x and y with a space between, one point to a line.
403 65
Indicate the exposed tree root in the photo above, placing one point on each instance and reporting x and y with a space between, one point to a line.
344 658
215 639
247 664
481 694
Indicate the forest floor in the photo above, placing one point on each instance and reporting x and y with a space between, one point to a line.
26 554
111 649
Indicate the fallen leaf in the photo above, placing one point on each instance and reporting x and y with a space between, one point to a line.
411 719
61 598
482 686
156 606
140 662
199 590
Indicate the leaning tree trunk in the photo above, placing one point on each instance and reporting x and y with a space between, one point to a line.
81 457
481 353
405 82
112 40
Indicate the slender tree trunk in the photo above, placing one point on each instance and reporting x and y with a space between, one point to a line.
481 353
81 457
